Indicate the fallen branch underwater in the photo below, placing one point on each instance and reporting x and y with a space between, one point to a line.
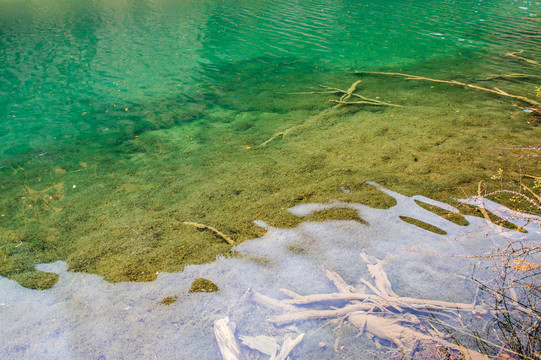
346 95
282 134
214 230
514 55
510 76
454 82
383 315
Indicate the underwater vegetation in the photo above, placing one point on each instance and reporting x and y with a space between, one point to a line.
126 214
203 285
128 123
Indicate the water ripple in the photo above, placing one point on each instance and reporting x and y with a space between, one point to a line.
58 58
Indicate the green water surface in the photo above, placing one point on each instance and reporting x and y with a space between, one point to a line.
121 120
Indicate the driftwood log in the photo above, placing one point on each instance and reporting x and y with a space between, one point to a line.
380 315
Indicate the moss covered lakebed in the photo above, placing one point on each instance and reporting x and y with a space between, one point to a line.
120 213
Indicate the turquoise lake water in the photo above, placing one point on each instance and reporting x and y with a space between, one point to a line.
124 122
70 69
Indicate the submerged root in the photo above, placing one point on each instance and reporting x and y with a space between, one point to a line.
288 345
349 92
214 230
363 102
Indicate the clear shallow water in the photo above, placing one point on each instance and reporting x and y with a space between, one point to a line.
83 316
120 121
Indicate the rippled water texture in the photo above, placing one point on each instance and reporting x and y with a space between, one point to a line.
63 59
121 121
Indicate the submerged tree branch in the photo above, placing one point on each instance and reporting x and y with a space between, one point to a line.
495 90
214 230
514 55
346 95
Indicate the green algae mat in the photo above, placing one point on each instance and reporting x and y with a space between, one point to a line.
123 122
